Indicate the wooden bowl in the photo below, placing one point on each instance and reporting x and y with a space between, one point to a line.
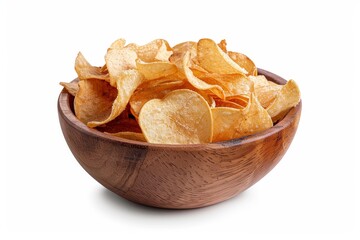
177 176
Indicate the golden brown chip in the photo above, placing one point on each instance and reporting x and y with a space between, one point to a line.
125 122
230 123
241 100
265 90
198 83
222 45
150 90
244 61
71 87
232 84
226 103
288 97
191 93
154 70
181 117
215 60
156 50
86 71
126 84
130 135
94 100
118 61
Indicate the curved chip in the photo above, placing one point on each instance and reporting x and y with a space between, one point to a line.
154 70
198 83
222 44
179 52
265 90
226 103
244 61
119 60
126 84
215 60
156 50
288 97
71 87
94 100
230 123
86 71
181 117
118 44
150 90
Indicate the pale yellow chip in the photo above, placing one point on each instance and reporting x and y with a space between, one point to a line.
94 100
154 70
86 71
230 123
129 135
126 84
215 60
71 87
118 44
180 50
288 97
181 117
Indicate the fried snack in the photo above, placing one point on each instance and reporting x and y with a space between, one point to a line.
193 92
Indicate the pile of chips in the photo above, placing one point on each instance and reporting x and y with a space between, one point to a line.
193 92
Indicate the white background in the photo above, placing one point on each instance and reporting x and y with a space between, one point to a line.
313 193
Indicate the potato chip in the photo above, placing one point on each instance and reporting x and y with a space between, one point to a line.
198 83
119 60
288 97
71 87
232 84
241 100
86 71
230 123
244 61
266 94
213 59
150 90
222 45
94 100
180 50
154 70
130 135
125 122
126 84
157 50
195 92
118 44
181 117
226 103
265 90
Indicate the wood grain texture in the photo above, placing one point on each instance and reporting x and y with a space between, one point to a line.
177 176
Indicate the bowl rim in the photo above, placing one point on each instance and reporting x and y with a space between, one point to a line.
64 111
